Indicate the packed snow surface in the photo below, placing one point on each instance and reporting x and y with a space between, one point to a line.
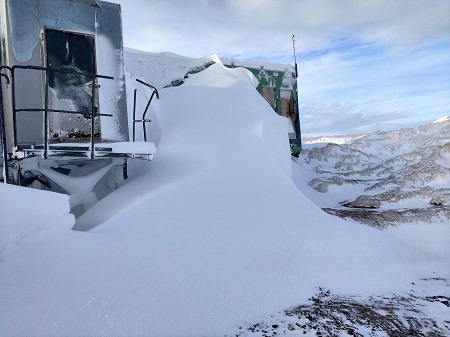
28 215
209 235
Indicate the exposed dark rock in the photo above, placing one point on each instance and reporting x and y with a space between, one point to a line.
327 314
384 219
363 201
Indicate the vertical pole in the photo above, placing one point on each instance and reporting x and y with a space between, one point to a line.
13 94
144 114
134 116
145 131
295 57
3 135
46 129
93 116
94 78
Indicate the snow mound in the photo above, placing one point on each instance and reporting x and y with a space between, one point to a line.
218 76
211 234
219 232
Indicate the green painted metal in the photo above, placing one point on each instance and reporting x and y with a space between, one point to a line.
282 83
272 78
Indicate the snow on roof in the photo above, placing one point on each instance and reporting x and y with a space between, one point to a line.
160 69
256 64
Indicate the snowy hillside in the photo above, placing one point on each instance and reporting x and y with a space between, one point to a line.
213 237
385 178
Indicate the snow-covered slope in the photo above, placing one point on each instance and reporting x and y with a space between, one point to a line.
211 234
407 169
386 179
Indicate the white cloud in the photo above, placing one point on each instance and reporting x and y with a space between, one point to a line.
377 60
331 117
268 25
371 86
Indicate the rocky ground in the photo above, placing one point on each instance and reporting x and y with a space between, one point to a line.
396 315
387 218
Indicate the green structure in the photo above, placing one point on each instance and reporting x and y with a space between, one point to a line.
279 88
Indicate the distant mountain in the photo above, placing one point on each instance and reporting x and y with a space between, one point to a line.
384 178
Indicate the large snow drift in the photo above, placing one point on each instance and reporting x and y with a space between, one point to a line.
210 234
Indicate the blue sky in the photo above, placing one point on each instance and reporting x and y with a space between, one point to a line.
363 65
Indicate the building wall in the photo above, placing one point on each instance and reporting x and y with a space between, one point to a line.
23 43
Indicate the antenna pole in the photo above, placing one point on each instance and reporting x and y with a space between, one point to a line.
295 57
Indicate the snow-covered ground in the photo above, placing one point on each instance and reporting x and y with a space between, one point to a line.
219 235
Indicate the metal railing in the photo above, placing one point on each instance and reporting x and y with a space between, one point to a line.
143 120
46 108
5 172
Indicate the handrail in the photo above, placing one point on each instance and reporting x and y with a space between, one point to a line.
150 86
80 73
46 108
5 76
143 119
6 67
5 172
